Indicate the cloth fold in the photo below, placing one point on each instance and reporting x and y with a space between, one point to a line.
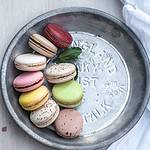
136 14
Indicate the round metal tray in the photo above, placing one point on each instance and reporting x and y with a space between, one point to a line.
113 70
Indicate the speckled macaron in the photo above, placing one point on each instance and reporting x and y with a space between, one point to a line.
43 46
30 62
45 115
69 123
59 73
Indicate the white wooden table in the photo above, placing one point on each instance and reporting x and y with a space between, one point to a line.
13 15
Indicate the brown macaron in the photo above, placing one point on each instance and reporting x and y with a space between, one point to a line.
69 123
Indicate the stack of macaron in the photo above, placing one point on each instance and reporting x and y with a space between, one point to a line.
35 97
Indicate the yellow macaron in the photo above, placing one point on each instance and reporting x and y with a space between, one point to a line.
34 99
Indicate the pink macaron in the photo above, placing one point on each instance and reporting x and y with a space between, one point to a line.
69 123
28 81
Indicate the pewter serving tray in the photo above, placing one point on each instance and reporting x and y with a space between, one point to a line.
113 70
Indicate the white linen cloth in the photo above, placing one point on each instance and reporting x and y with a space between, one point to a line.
136 14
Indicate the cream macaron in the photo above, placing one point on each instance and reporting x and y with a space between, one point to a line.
30 62
59 73
45 115
43 46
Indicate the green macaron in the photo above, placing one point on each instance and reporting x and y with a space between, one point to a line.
68 94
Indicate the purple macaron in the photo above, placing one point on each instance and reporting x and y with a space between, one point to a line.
28 81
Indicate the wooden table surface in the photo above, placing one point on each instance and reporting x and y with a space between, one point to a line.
13 15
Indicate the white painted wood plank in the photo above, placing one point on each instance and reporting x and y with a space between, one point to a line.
13 15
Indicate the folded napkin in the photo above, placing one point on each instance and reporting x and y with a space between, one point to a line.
136 14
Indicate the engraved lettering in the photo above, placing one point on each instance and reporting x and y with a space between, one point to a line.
84 45
122 88
85 81
96 113
112 69
104 78
113 88
88 81
107 62
105 107
75 43
91 48
93 81
86 67
88 117
95 67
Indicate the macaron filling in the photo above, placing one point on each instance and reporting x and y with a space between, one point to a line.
68 104
39 45
53 77
22 87
30 65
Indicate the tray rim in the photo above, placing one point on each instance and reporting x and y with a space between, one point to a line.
67 10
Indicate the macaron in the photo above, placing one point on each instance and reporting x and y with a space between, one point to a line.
28 81
43 46
34 99
45 115
59 73
68 94
57 35
30 62
69 123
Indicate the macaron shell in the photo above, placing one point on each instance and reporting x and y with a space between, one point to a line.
45 115
33 99
28 81
30 88
61 79
49 122
36 105
43 46
34 96
57 35
36 67
68 94
59 70
30 62
69 106
43 41
27 78
41 50
69 123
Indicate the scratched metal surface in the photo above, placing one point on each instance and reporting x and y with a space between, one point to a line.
112 68
104 76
